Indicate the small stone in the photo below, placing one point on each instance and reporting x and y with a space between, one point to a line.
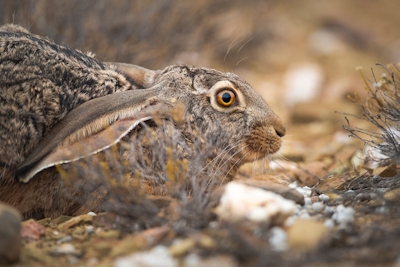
305 191
307 201
66 248
343 215
366 196
329 210
392 195
278 239
241 202
329 223
304 215
303 83
349 194
324 197
306 234
157 256
283 190
181 247
10 238
89 229
64 239
193 260
317 206
109 234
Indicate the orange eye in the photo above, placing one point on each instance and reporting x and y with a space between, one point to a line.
226 98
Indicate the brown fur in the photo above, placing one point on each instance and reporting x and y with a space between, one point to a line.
42 81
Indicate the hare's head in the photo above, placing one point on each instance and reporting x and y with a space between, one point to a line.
226 105
218 108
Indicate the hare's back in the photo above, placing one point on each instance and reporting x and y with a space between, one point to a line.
40 82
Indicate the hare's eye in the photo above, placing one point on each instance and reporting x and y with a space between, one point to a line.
226 98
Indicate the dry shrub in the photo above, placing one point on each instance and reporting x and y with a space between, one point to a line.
382 109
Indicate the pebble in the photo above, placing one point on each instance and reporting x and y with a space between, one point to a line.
343 215
278 239
324 197
303 83
329 210
64 239
155 257
329 223
317 206
307 201
89 229
10 237
366 196
194 260
349 194
305 191
66 248
242 202
305 234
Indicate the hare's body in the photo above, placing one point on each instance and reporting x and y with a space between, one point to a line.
41 82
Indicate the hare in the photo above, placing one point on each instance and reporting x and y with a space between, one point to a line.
59 106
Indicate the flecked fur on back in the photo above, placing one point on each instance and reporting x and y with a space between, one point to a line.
40 82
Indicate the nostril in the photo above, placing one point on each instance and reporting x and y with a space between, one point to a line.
280 131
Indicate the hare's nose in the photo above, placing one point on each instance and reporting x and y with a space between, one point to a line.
280 130
279 127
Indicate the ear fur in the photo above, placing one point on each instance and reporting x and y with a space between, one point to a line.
141 77
92 127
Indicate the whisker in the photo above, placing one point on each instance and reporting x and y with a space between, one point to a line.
233 43
246 43
236 162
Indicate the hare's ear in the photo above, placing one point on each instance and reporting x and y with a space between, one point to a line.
92 127
141 77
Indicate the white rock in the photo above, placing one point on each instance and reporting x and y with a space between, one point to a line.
329 209
323 197
278 239
325 42
289 221
242 202
66 248
317 206
307 201
304 215
156 257
343 215
305 191
303 83
329 223
192 260
89 229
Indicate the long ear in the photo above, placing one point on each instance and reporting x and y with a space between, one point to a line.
142 77
91 128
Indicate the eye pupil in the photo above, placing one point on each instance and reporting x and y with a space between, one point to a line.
226 97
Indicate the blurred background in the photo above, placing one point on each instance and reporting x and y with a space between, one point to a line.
299 55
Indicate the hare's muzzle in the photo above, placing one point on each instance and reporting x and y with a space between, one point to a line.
264 139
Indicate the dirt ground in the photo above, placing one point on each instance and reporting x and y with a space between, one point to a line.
301 56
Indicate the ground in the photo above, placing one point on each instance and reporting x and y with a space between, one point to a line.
302 58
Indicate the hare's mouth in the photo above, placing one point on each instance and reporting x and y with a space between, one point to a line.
260 143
